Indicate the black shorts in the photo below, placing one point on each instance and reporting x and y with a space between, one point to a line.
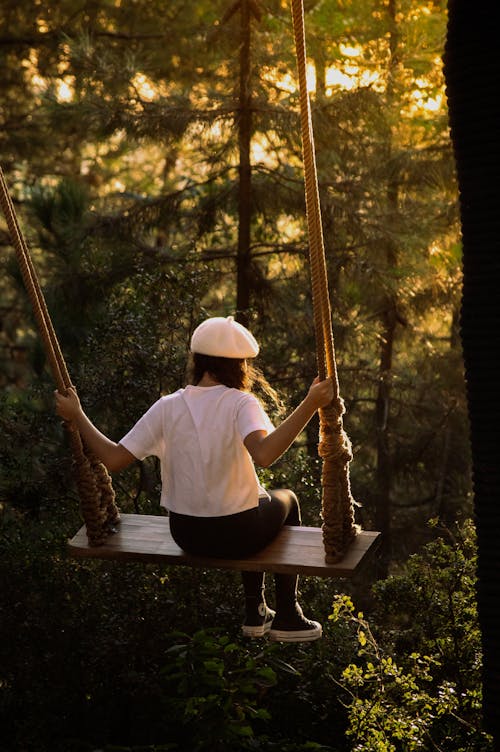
234 536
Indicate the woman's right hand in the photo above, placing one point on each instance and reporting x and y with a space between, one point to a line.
321 392
68 406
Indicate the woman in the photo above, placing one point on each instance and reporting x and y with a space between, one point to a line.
208 437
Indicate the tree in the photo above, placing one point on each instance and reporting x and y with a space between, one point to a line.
472 65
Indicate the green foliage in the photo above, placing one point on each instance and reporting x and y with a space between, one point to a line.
83 645
34 471
390 708
416 681
438 589
214 690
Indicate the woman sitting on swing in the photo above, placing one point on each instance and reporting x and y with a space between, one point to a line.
208 437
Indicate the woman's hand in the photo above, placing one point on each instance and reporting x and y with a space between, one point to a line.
113 455
320 392
68 406
266 448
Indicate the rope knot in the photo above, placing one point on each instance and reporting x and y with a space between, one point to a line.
334 443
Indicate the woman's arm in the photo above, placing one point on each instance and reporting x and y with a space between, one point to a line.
114 456
266 448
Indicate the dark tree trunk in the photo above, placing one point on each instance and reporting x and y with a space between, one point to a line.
472 73
389 321
243 273
383 472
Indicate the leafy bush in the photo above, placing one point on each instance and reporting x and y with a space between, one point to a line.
416 683
214 690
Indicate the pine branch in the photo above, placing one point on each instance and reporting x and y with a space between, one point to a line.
39 40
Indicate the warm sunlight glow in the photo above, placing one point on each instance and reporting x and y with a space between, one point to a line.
349 51
351 74
335 78
435 249
262 152
349 78
289 228
423 102
311 78
43 26
64 91
284 83
434 104
144 87
288 83
216 129
39 83
345 75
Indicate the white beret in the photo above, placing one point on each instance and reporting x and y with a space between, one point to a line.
224 338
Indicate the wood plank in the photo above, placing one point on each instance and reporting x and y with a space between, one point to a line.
147 538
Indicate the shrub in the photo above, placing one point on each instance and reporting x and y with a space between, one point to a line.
416 682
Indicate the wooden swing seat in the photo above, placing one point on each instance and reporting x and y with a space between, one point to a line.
147 538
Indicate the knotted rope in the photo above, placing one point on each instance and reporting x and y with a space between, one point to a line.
337 508
95 490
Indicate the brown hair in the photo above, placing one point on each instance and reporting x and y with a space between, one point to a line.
236 373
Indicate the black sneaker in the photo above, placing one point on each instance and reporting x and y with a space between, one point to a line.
295 629
260 624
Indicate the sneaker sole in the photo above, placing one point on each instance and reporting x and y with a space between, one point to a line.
300 635
259 631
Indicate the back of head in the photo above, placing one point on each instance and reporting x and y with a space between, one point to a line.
220 347
232 372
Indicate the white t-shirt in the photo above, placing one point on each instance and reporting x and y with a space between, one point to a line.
198 434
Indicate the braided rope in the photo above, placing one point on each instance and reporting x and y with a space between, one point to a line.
337 508
97 498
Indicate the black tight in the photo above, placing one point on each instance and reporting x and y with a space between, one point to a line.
235 536
238 535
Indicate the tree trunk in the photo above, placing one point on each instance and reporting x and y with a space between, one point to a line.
383 473
472 72
243 259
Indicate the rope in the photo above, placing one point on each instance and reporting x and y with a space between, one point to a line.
97 498
337 505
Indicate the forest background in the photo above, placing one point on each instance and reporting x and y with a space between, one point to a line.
153 154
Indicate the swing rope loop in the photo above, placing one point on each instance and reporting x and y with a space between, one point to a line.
96 494
337 506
